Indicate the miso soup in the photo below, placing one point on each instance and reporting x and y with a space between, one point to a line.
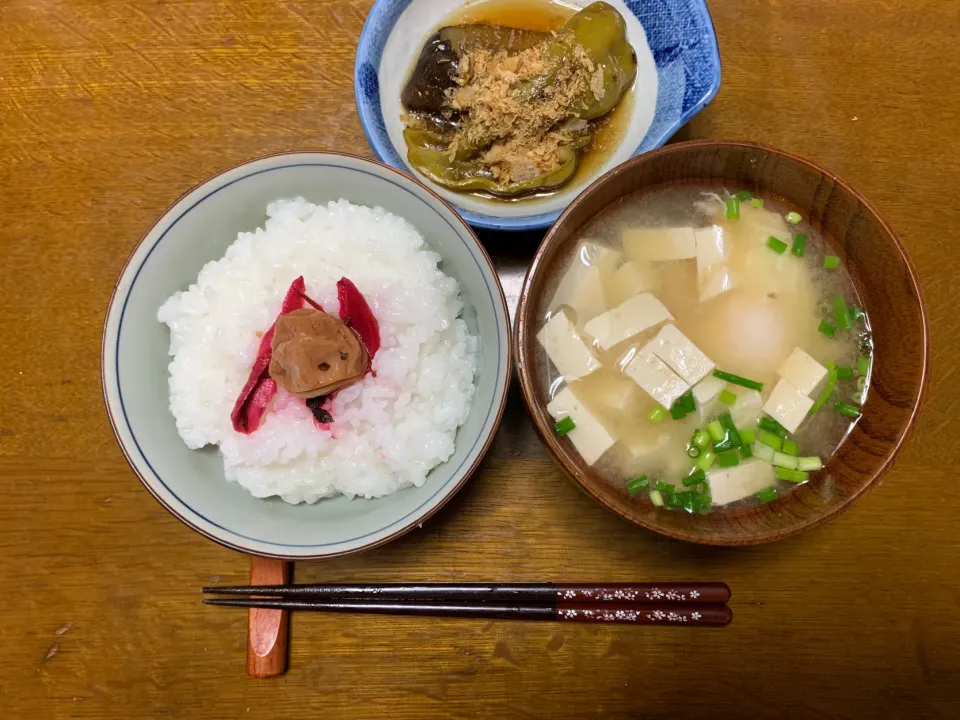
701 347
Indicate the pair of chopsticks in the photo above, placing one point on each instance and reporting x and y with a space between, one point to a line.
696 604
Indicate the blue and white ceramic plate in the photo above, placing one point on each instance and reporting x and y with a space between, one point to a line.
678 73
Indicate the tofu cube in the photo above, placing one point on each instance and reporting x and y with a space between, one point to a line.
708 389
748 407
636 452
659 244
706 393
802 371
613 392
715 281
639 449
711 247
589 437
584 286
787 405
683 357
589 298
748 478
626 320
593 254
566 349
631 279
653 375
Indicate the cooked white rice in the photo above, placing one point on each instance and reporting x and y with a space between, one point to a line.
390 429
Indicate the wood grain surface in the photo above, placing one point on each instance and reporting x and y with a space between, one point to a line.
109 109
268 631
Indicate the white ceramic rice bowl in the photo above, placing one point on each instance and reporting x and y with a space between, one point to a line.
197 229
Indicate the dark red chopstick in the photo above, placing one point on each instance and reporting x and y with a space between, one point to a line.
523 593
605 612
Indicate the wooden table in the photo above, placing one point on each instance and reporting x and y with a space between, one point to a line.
110 109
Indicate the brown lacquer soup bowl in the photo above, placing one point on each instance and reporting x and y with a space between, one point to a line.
881 272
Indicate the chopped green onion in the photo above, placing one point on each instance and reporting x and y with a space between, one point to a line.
841 313
770 425
794 476
769 439
701 505
748 436
727 397
831 262
767 494
674 501
827 329
762 452
637 484
716 432
858 314
746 452
786 461
777 245
693 451
799 244
701 488
657 414
756 202
846 409
564 426
863 365
656 498
682 406
706 460
793 217
808 464
728 459
664 487
701 439
790 448
687 499
737 380
844 372
744 195
733 208
827 390
731 438
695 477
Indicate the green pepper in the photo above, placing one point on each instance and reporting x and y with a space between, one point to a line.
473 175
602 32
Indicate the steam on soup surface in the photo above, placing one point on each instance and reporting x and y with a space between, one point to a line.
702 348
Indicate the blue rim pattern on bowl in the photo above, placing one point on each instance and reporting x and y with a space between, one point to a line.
112 387
684 45
126 420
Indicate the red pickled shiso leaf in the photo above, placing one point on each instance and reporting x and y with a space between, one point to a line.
355 312
253 412
293 300
260 388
